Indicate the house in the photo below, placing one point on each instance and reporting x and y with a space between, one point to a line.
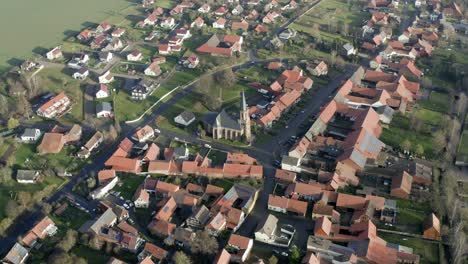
285 177
223 257
104 189
199 218
78 61
102 91
185 118
323 210
91 145
431 227
205 8
270 17
389 211
143 134
152 251
242 25
81 74
106 175
143 89
401 185
118 32
320 69
17 254
198 23
31 135
183 33
452 10
287 34
141 198
135 55
285 205
106 56
221 11
222 45
238 10
168 22
266 230
107 219
219 23
153 69
104 109
239 247
55 53
103 27
106 78
165 189
289 6
55 106
85 35
349 49
192 61
164 49
42 229
261 29
53 142
27 176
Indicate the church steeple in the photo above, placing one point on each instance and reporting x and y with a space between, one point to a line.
245 118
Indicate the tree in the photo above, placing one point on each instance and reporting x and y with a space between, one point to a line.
12 209
405 145
273 260
227 78
181 258
295 256
333 57
113 134
23 107
24 198
69 241
3 105
419 150
46 208
439 141
60 257
204 244
12 123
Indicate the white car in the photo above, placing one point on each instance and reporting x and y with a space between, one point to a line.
126 206
207 146
157 131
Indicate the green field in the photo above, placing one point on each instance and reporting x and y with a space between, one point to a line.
29 25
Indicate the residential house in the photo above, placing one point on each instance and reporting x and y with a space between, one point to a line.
107 219
31 135
91 145
106 56
102 91
168 22
266 230
56 106
239 247
165 189
221 11
152 251
141 198
222 45
115 45
238 10
106 78
285 177
103 27
78 61
118 32
431 227
143 88
204 9
55 53
192 61
219 23
17 255
135 55
143 134
104 189
199 218
184 119
349 49
42 229
198 23
242 25
104 110
401 185
106 175
223 257
153 69
320 69
81 74
285 205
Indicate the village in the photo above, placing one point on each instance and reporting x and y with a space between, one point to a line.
242 132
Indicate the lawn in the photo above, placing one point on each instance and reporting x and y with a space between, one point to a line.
128 185
437 101
73 217
92 256
57 80
428 251
46 27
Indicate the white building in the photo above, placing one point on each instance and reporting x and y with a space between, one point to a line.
31 135
104 189
106 78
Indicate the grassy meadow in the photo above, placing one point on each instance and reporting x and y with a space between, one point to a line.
29 26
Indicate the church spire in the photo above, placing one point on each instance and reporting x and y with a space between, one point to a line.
243 101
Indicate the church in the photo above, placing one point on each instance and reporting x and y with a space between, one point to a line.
223 126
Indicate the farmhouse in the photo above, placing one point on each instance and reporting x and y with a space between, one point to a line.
221 45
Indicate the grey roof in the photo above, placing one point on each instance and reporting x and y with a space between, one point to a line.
242 193
104 106
370 143
16 254
389 203
348 46
187 116
104 220
358 158
290 161
386 111
29 132
26 175
268 226
223 120
360 247
202 214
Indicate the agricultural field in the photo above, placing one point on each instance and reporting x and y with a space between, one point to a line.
46 27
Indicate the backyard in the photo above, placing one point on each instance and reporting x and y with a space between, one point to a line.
427 250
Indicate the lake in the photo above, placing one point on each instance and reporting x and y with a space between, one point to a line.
27 24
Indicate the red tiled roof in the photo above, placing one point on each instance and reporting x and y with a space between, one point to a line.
167 210
105 175
238 241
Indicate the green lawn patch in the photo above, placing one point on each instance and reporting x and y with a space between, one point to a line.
92 256
128 185
223 183
438 102
428 251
